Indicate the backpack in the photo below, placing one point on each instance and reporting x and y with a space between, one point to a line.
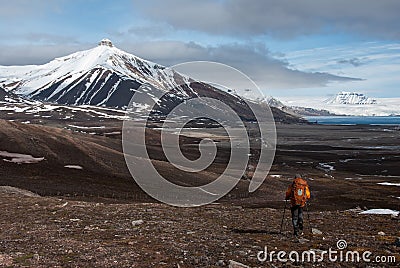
299 196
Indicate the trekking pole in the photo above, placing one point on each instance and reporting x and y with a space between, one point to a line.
308 217
283 217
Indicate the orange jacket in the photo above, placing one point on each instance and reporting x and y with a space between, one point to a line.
289 192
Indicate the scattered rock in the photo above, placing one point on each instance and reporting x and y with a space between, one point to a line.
234 264
303 240
397 242
137 222
220 263
381 233
36 257
315 231
242 253
63 205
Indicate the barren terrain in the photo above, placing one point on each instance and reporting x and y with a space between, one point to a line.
94 214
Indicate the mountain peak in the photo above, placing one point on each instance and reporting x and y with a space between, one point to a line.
105 42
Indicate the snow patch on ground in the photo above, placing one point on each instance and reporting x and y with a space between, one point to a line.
83 127
346 160
113 133
389 184
37 108
73 167
326 167
275 176
20 158
381 211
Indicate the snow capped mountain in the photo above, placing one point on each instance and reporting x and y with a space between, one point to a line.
104 75
273 102
354 105
350 98
107 76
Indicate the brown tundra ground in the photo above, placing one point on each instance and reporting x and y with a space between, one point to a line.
97 216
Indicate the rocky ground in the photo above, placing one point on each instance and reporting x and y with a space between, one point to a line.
53 232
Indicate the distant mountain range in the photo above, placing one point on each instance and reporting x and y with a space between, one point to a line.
343 103
296 110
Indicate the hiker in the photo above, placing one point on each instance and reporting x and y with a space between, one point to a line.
298 193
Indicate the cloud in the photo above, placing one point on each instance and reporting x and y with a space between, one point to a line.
150 30
354 61
35 54
21 8
147 31
284 18
44 38
255 60
380 65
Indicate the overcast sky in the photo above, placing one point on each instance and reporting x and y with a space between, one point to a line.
287 47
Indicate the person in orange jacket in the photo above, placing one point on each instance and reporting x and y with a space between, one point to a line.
298 193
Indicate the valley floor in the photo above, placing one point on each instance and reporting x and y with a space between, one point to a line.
94 215
51 232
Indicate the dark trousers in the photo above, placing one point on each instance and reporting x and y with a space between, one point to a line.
297 219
